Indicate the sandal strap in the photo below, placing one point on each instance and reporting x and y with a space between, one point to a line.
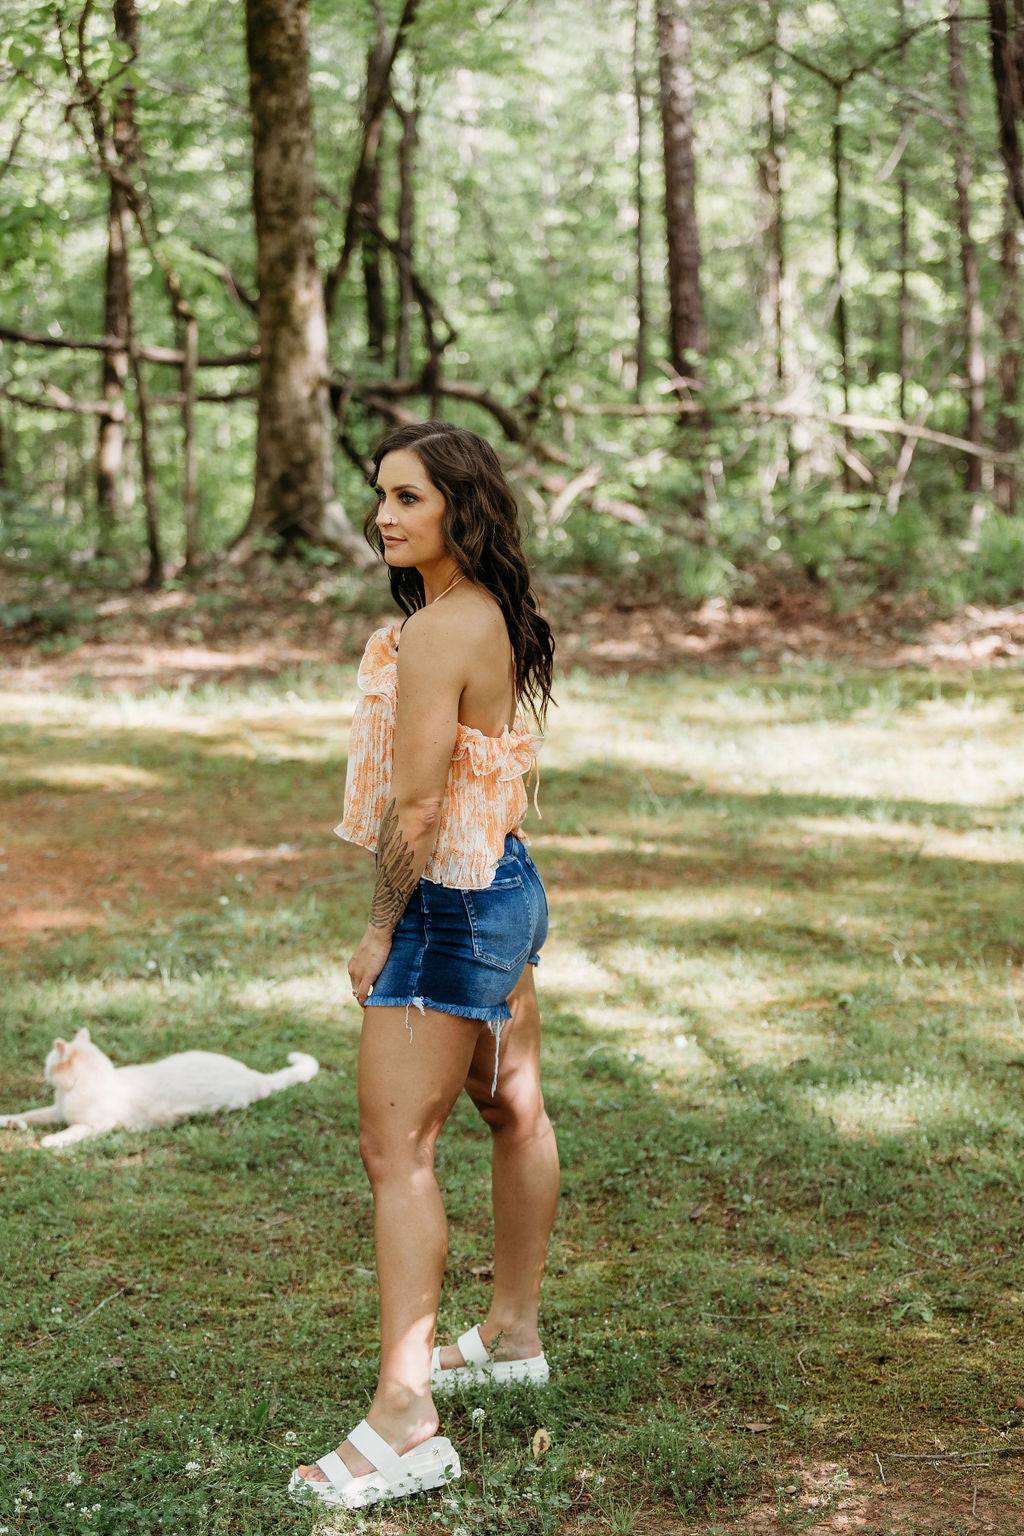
376 1450
334 1469
474 1350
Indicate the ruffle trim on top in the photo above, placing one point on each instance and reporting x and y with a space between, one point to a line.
510 755
378 670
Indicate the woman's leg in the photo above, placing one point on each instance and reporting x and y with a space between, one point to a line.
406 1091
524 1175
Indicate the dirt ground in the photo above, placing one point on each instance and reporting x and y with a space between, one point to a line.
235 631
831 1498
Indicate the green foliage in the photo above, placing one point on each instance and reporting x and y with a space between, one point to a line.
526 207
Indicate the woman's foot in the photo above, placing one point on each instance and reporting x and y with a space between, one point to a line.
402 1432
500 1344
434 1463
504 1362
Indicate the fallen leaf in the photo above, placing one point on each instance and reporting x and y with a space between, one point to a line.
540 1443
755 1427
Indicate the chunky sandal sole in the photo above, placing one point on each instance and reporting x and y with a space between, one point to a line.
481 1371
434 1464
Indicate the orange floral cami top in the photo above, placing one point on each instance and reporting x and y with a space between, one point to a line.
484 797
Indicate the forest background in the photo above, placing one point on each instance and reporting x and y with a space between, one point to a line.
735 289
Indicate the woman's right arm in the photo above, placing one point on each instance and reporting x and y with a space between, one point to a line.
431 677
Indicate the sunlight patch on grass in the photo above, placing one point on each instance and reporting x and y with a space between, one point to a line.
574 972
90 775
240 854
873 1107
186 710
975 750
980 845
319 994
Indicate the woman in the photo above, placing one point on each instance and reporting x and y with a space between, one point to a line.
435 787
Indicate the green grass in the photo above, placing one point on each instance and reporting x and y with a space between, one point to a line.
784 1057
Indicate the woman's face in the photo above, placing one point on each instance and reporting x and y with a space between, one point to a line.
410 509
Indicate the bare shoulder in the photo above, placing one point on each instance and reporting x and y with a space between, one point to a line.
461 627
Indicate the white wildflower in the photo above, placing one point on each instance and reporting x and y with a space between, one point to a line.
77 1434
479 1414
74 1478
26 1494
192 1467
290 1437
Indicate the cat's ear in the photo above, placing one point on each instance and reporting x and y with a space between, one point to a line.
82 1038
60 1048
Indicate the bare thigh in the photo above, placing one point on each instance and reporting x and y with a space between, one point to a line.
518 1085
410 1076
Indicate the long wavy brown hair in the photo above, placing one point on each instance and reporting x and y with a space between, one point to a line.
482 534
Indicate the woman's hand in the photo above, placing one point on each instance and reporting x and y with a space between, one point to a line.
368 962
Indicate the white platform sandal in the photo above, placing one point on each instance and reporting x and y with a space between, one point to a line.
480 1370
433 1464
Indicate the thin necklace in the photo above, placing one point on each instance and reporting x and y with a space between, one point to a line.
460 577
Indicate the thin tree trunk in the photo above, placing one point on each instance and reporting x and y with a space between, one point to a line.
368 197
155 572
687 334
190 347
972 312
408 146
374 109
1006 74
114 368
903 338
838 233
777 448
641 211
293 498
1007 434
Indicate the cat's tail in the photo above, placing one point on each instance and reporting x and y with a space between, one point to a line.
302 1068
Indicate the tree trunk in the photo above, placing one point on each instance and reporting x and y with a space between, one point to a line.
641 232
367 193
374 109
1007 436
972 313
903 338
838 232
407 149
1006 44
114 370
293 496
687 334
776 450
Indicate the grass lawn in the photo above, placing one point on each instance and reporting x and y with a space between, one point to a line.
785 1061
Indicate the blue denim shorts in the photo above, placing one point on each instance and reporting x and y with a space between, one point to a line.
462 952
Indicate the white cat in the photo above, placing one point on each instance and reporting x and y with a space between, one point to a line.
91 1095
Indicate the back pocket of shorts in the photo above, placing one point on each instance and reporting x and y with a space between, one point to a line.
501 923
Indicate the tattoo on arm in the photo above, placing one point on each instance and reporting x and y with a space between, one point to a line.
395 883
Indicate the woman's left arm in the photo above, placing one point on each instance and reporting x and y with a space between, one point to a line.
431 677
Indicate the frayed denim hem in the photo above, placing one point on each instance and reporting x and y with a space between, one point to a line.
482 1015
